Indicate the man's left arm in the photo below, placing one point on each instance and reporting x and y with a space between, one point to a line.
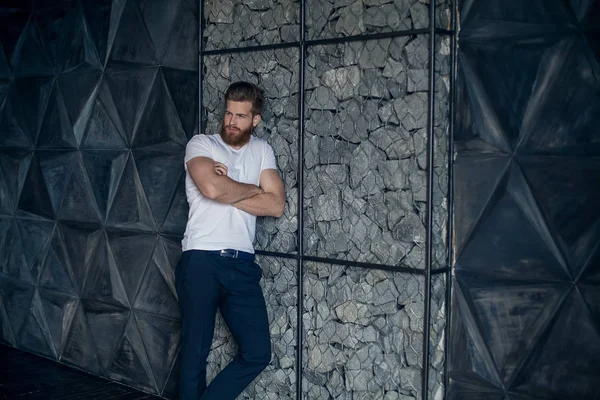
271 202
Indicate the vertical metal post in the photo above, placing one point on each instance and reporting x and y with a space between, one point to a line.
300 180
429 236
200 62
450 238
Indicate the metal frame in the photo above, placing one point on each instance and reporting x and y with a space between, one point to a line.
302 45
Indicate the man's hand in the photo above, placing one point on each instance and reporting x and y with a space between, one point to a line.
214 184
220 168
269 203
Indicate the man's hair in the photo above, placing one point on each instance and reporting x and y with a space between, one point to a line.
246 91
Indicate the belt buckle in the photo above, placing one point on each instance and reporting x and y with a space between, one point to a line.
229 253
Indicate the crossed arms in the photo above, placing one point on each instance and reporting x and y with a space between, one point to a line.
211 178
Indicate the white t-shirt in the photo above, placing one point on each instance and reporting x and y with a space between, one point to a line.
212 225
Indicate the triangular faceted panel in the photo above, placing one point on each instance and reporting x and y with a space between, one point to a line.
162 336
80 349
469 353
103 282
35 335
479 174
130 89
176 218
80 241
171 387
97 15
104 170
14 167
107 325
565 362
102 132
484 121
6 333
131 264
591 296
160 172
172 252
56 131
568 192
13 263
507 74
472 389
13 24
159 124
4 68
78 90
183 38
13 133
132 42
130 364
156 295
33 96
562 117
30 58
581 8
78 204
67 37
56 167
159 18
533 12
511 317
35 198
57 274
592 14
183 90
130 208
505 243
591 273
35 239
17 300
59 310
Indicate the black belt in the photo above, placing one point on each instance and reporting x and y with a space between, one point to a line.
231 253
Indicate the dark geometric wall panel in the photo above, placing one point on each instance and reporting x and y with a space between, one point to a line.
524 315
97 102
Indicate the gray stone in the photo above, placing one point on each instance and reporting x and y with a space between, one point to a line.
352 312
361 381
418 80
417 52
277 83
257 5
420 15
385 292
395 173
316 19
221 12
343 81
290 33
332 151
351 21
410 230
412 111
374 53
327 207
321 123
322 98
373 85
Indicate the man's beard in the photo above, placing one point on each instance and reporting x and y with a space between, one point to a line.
236 138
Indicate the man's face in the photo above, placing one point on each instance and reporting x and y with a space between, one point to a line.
238 123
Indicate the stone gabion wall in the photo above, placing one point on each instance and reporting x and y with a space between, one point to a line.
365 190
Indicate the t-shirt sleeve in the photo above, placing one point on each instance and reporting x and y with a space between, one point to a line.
198 146
269 161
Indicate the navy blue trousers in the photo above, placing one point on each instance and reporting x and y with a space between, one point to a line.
205 282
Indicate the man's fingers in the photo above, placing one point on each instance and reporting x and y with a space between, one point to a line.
220 168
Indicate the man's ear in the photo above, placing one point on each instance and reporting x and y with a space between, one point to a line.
255 120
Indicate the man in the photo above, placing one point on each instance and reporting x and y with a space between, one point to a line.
231 178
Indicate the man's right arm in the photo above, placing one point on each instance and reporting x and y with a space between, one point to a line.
217 187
